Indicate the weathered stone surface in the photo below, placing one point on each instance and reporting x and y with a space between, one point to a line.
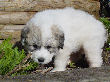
101 74
4 0
15 17
37 5
11 30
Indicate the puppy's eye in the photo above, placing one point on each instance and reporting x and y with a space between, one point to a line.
48 47
36 46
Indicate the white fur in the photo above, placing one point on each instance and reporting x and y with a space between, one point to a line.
80 30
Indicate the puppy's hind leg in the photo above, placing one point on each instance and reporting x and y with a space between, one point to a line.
93 52
61 60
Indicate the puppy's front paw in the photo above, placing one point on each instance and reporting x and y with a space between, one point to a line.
57 69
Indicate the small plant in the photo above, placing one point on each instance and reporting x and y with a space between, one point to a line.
72 65
106 22
11 60
26 69
9 57
106 52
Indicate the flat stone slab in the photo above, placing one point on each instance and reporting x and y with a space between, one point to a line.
101 74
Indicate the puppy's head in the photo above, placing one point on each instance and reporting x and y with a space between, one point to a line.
43 48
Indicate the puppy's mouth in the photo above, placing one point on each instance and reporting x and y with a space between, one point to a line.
43 63
40 63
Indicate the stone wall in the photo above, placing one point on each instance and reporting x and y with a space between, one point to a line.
15 13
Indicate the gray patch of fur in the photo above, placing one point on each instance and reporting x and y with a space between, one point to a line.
30 35
59 36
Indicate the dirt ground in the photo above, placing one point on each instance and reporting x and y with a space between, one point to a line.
101 74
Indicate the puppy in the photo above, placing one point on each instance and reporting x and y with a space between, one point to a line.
60 32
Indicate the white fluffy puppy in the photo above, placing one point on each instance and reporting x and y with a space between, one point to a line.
60 32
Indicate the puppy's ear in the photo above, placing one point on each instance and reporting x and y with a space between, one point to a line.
24 33
59 36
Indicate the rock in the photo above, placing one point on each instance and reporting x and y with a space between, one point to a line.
101 74
15 17
11 30
37 5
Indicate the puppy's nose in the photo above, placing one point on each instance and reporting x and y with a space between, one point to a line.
41 60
